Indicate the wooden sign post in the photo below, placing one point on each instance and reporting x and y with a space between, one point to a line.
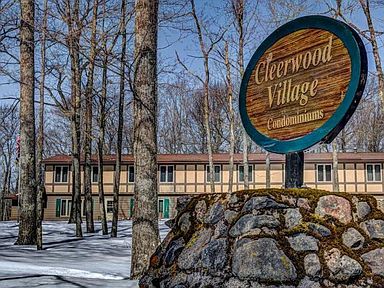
301 87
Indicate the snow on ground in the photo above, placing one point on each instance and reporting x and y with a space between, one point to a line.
66 261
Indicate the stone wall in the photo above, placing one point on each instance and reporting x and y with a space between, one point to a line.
272 238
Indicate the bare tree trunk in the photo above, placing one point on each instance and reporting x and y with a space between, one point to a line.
102 123
375 48
100 143
335 167
40 139
27 209
88 126
267 170
116 183
206 96
231 118
145 230
238 11
74 53
4 189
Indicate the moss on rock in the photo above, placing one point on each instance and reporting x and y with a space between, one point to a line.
326 228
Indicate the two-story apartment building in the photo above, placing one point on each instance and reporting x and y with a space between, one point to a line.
187 174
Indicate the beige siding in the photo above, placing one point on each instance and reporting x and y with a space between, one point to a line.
180 174
200 174
191 179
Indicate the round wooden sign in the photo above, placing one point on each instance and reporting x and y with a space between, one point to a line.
303 84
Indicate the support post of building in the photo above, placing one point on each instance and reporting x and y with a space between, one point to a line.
294 170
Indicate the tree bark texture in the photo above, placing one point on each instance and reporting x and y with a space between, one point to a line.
145 234
335 167
206 108
231 119
27 208
88 125
74 53
116 183
238 10
100 145
40 138
267 170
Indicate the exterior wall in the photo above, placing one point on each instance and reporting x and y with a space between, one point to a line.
190 179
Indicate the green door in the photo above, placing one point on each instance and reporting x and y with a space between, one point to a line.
58 207
131 207
166 208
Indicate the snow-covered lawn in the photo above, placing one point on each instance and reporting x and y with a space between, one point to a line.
94 261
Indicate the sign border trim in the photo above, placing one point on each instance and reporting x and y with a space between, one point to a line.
329 130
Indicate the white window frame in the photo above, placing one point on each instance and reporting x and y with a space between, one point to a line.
61 173
67 207
214 173
92 173
161 207
238 173
324 173
167 173
129 168
373 171
106 206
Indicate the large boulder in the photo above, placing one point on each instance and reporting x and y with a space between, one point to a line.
262 259
272 238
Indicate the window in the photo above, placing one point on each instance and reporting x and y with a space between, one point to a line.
217 173
161 206
109 206
131 174
166 173
65 207
324 173
241 173
61 174
95 174
374 172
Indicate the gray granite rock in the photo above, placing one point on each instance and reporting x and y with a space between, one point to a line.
182 202
262 202
236 283
260 285
362 209
342 268
221 230
233 199
230 216
352 238
190 256
173 251
292 217
196 279
336 207
312 265
303 242
184 222
249 222
200 210
374 228
262 260
375 260
216 213
303 203
308 283
319 229
178 281
214 255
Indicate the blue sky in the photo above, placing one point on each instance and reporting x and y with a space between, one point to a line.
216 14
